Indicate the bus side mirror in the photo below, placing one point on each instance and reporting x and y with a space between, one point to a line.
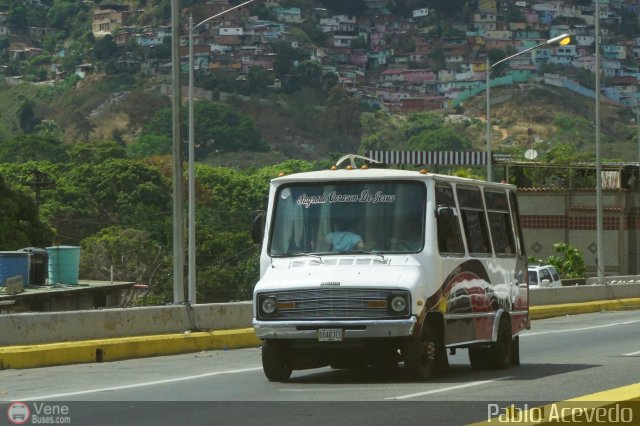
257 226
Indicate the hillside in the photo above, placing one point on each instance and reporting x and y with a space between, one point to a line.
305 72
523 116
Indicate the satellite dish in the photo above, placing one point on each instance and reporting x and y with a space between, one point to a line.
531 154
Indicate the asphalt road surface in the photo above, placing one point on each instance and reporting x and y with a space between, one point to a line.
561 358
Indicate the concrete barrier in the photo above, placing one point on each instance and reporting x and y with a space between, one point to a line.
48 327
582 293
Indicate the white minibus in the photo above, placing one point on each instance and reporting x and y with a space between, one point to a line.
375 267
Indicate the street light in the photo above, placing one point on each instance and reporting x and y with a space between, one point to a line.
561 40
178 195
599 208
192 180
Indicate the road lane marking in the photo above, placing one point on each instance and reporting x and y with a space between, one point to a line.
447 389
615 324
633 354
347 389
139 385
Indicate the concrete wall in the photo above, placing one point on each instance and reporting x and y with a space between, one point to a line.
570 216
582 293
34 328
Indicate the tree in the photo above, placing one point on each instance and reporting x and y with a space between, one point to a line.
309 73
342 117
105 48
95 152
127 193
382 131
35 146
130 253
18 15
20 224
258 79
429 132
26 116
629 24
147 145
569 262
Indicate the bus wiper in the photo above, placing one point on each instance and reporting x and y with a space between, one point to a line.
373 252
302 254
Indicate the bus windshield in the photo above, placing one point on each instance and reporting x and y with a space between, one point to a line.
351 217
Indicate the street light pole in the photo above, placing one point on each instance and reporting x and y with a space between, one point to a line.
178 194
488 120
600 266
638 129
192 181
192 178
562 40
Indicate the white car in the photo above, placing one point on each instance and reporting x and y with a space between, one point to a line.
543 276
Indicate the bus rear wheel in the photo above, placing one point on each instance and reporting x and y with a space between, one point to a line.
274 361
500 351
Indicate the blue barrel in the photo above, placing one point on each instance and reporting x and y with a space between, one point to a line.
64 264
14 263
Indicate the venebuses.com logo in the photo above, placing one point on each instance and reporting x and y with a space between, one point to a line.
18 413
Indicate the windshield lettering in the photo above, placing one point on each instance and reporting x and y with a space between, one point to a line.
334 197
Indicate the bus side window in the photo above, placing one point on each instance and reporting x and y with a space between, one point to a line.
515 217
500 222
474 221
449 235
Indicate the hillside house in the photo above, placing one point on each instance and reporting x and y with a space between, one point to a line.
83 69
288 14
418 76
488 6
614 52
584 40
379 57
530 16
106 21
342 39
563 55
359 58
264 60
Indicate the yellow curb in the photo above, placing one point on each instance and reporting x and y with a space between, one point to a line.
548 311
124 348
619 405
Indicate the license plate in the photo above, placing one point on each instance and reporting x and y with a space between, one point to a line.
330 335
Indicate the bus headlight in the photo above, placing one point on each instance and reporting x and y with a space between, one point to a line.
398 304
269 305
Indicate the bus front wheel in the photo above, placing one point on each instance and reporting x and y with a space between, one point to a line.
274 361
419 354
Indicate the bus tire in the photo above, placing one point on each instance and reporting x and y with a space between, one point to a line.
274 361
419 354
500 351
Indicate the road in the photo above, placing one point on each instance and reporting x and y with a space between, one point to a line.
562 358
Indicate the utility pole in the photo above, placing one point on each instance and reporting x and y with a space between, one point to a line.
178 193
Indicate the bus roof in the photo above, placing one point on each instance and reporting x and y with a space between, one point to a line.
374 174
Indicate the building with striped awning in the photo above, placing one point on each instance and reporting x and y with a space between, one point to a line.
444 158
